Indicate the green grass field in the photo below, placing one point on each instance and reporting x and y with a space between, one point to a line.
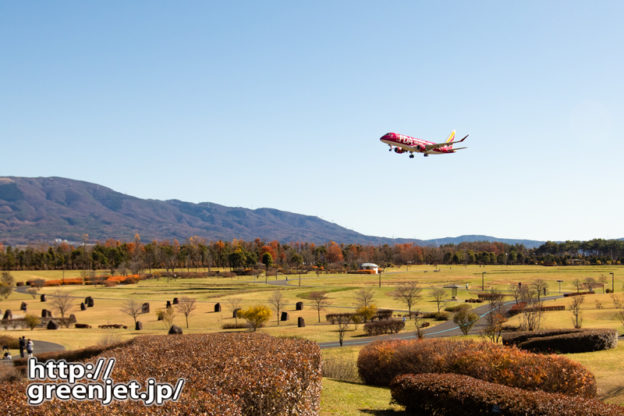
339 397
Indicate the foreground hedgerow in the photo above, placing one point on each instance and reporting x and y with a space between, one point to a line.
379 362
563 340
459 395
226 374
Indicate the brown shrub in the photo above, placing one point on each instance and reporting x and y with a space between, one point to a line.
458 395
226 374
563 340
380 362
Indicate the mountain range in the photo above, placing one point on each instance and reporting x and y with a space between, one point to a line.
42 210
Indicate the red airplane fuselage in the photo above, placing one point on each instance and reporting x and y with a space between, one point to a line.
402 143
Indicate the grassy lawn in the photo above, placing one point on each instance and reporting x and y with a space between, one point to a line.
339 397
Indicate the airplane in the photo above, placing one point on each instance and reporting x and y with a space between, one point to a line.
402 144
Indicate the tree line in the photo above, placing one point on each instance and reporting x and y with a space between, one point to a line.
134 256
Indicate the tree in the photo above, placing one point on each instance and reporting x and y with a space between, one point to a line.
540 287
267 260
320 301
343 325
168 316
255 316
407 293
575 308
465 319
532 312
515 290
7 282
438 296
578 283
235 304
418 323
495 318
364 297
367 312
132 308
64 303
277 301
186 306
589 283
32 321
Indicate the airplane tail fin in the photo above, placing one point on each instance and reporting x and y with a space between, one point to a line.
451 137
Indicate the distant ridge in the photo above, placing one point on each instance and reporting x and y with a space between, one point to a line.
41 210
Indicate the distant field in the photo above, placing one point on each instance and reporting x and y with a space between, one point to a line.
341 290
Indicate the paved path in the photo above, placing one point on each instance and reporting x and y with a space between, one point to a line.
445 329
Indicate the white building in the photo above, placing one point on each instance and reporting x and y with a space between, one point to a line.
369 266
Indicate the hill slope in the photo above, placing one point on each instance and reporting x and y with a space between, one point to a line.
43 209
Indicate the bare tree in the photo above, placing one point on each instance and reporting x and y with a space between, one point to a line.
418 323
186 306
168 316
235 304
575 308
540 287
438 296
532 312
320 300
64 303
343 326
515 290
578 283
589 283
132 308
277 301
407 293
495 318
364 297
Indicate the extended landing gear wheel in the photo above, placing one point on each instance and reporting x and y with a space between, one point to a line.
426 155
411 156
390 149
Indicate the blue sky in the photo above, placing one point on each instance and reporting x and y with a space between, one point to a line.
281 104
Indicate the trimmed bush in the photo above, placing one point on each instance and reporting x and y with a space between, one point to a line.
457 308
438 316
226 374
516 308
384 326
235 325
381 361
565 341
459 395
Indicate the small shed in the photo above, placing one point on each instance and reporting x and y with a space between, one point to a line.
453 288
370 266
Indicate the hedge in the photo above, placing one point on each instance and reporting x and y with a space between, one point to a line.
438 316
378 363
459 395
226 374
384 326
565 341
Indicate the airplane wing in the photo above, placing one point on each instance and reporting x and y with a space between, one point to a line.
435 146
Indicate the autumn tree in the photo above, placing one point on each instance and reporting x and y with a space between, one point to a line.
277 301
235 304
32 321
465 319
408 293
256 316
343 322
540 287
186 306
7 282
320 301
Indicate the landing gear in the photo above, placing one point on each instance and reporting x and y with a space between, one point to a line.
411 156
390 149
426 154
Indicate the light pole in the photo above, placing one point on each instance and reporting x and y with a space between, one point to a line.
612 282
559 281
483 281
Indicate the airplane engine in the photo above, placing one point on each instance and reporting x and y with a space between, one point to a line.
399 150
